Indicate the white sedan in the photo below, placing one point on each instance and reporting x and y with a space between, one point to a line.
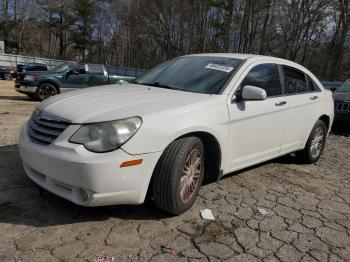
191 118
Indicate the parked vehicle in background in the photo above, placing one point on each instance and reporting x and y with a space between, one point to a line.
342 102
332 85
31 67
191 118
6 73
70 76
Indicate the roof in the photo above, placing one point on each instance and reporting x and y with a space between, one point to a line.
243 56
255 58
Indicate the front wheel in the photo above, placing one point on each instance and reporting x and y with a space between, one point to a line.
315 144
178 175
45 90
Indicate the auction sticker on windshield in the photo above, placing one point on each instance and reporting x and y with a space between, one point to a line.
223 68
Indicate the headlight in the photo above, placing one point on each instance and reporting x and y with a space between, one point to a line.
29 77
106 136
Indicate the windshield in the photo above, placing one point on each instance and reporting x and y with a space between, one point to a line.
200 74
60 68
345 87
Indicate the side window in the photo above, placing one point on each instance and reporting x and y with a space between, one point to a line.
313 87
266 77
112 70
96 69
295 81
79 69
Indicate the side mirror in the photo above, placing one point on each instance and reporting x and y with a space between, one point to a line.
253 93
333 89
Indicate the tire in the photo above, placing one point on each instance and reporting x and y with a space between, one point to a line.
170 178
315 144
45 90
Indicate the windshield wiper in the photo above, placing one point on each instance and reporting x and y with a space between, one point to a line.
157 84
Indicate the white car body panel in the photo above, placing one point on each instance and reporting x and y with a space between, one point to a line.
247 133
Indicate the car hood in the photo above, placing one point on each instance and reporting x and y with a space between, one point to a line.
105 103
342 96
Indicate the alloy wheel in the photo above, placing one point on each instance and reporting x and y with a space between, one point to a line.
46 91
191 175
317 142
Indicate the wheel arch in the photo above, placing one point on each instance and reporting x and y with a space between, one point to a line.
213 153
326 119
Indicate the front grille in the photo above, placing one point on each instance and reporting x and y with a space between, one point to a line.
20 77
44 129
342 107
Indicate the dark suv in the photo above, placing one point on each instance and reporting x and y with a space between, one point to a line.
31 67
342 102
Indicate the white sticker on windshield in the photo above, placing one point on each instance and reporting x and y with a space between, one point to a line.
223 68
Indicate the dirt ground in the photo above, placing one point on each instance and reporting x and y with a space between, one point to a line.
307 212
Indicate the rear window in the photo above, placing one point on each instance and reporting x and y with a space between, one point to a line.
95 69
120 71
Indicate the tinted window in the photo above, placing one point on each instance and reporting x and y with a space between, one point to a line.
312 86
96 69
201 74
264 76
112 70
80 69
295 81
124 71
345 87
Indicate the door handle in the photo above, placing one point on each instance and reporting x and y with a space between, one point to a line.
313 97
281 103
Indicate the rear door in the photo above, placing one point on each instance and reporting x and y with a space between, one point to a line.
256 127
305 104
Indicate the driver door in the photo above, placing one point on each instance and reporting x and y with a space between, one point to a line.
256 128
76 77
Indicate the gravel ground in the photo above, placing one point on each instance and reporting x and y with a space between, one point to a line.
308 212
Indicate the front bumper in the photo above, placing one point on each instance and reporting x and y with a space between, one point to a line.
25 87
86 178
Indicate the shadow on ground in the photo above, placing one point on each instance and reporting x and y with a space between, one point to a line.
23 202
17 98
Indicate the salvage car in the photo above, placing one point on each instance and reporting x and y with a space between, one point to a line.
191 118
68 76
342 103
